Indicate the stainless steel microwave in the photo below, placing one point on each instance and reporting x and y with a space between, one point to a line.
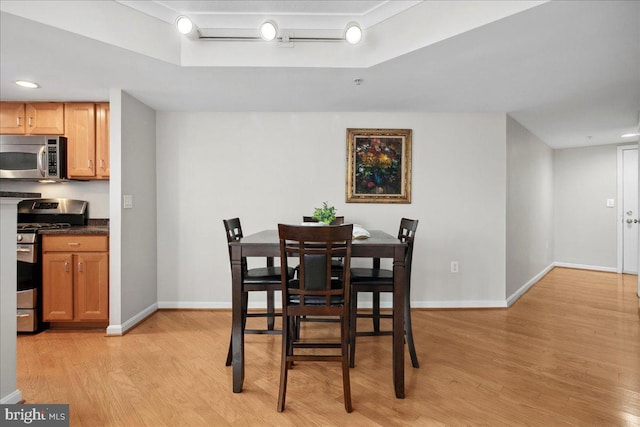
33 157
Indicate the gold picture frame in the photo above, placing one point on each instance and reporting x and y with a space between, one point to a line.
378 165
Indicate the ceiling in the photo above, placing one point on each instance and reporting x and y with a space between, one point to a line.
569 71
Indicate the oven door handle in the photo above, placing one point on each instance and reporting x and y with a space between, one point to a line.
23 250
41 161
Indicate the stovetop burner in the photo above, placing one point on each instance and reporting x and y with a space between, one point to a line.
30 227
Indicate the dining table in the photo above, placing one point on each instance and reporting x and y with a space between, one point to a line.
266 244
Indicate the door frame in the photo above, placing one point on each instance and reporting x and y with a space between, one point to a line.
620 210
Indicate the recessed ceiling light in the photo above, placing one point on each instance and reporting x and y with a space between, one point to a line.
629 135
184 24
27 84
268 30
353 33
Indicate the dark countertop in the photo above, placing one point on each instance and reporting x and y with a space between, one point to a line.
95 227
19 195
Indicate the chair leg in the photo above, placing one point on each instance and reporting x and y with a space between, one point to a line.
284 365
271 310
376 311
229 353
245 304
353 323
345 335
409 332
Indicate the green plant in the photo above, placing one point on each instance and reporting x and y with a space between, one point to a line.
325 214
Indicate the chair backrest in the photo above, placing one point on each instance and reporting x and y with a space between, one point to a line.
338 221
406 234
315 291
234 233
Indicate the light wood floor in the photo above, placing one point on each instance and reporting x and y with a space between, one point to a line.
567 353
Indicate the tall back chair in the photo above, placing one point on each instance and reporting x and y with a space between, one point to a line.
315 292
266 279
376 280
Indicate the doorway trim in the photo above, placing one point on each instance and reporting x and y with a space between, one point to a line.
620 210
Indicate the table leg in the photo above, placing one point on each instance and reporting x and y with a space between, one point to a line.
237 337
398 321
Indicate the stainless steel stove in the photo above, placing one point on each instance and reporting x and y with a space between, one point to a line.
35 215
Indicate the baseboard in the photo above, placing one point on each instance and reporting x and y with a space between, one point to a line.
460 304
517 294
11 398
198 305
586 267
116 330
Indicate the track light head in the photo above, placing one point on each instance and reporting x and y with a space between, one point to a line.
353 33
268 30
185 26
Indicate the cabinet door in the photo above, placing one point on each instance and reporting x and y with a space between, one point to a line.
12 118
45 118
102 140
91 286
57 286
80 125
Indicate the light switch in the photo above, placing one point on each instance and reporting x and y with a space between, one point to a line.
127 201
610 203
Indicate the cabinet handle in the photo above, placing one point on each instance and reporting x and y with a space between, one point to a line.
73 244
102 163
79 267
90 164
66 267
30 118
18 121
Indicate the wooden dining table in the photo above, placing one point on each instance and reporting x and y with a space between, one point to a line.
266 244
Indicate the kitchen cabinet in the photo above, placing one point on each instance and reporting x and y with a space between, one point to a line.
87 131
102 140
35 118
75 278
80 122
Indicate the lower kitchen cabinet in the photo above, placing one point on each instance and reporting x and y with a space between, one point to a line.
75 278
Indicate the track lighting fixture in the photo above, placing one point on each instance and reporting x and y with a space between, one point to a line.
269 31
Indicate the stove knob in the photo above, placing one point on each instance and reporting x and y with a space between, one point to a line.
19 237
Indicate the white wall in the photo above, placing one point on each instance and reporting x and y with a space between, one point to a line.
584 228
133 292
529 209
276 167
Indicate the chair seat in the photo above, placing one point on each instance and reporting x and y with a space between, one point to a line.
266 275
371 274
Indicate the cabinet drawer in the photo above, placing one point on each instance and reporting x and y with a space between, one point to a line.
75 243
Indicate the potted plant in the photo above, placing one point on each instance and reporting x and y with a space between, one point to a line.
325 214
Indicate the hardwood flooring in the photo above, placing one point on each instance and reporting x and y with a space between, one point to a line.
567 353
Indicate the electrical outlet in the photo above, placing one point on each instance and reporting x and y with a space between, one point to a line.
454 266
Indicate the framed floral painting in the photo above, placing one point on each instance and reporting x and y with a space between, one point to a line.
378 165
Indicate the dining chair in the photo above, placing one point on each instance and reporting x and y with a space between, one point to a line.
336 266
314 292
261 279
376 280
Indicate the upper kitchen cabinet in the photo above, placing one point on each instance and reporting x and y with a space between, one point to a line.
80 122
102 140
87 126
35 118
